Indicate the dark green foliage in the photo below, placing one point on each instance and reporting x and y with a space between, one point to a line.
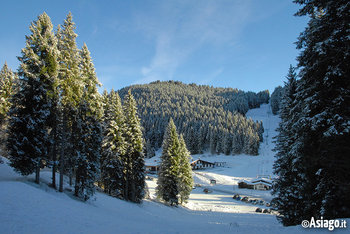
287 185
185 179
318 146
114 145
8 82
196 111
167 188
276 98
71 88
7 89
88 132
175 180
133 159
29 116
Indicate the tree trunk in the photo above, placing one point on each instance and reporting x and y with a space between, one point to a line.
62 156
54 157
37 173
71 179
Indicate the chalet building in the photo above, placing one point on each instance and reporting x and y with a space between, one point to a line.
257 184
152 169
152 166
201 164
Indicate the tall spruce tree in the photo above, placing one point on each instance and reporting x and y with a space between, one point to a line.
134 165
91 83
325 94
185 179
28 131
7 89
114 145
167 184
71 90
321 131
87 129
287 164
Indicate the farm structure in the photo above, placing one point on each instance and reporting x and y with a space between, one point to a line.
257 184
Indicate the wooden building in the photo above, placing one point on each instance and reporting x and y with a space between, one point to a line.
201 164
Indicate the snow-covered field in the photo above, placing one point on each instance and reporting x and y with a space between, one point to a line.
29 208
239 167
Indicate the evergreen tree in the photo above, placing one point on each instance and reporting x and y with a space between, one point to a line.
91 83
194 108
321 131
276 98
213 140
7 89
71 90
114 146
28 130
287 185
167 184
325 93
185 179
88 131
134 165
149 150
237 144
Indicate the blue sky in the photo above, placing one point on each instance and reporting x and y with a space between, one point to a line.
245 44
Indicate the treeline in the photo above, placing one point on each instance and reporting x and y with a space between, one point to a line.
276 99
312 160
209 118
55 117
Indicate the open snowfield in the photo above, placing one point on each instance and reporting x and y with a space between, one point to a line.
29 208
239 167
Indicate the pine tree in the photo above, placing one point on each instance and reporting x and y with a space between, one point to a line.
321 131
324 94
91 83
237 145
88 131
275 100
149 150
134 165
71 90
287 185
7 89
167 184
185 179
114 145
29 123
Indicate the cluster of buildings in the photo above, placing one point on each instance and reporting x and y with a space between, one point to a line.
152 167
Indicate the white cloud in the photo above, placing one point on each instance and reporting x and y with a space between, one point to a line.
179 28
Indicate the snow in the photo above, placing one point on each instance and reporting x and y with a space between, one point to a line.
29 208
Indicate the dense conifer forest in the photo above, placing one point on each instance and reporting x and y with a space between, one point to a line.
209 118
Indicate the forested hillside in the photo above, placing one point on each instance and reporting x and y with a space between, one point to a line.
209 118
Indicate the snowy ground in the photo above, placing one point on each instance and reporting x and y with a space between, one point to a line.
29 208
240 167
